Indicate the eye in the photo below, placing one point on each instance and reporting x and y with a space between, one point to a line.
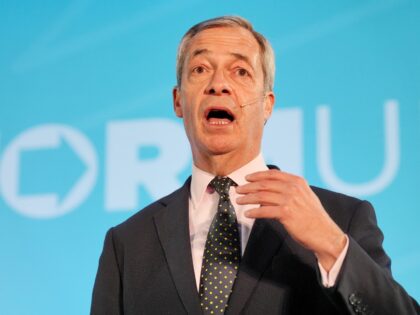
242 72
198 69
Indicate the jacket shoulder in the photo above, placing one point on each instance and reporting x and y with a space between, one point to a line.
331 197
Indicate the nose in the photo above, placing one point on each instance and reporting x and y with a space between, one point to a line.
218 85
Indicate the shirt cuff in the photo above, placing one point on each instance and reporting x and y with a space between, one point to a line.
329 278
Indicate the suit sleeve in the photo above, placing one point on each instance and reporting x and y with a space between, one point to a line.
365 283
107 291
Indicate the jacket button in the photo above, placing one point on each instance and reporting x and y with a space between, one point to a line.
359 307
355 299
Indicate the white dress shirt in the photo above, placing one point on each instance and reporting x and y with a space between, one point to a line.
203 206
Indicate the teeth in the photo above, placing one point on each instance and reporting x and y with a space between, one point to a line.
219 122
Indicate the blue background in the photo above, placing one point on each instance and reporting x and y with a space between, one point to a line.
87 66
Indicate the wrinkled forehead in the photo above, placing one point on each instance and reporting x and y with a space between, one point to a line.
234 41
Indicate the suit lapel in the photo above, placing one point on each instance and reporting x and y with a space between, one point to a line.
265 240
172 227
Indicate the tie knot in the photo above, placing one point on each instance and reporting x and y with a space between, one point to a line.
222 185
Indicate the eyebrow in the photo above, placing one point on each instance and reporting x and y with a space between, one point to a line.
200 52
205 51
242 57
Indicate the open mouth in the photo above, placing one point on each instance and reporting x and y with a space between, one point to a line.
219 116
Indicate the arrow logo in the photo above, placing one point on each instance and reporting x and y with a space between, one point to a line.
30 148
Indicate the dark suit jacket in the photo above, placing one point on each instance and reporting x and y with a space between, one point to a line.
146 267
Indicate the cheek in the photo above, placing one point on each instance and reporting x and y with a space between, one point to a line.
191 117
255 121
257 114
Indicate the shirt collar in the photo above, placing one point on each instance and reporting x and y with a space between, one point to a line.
201 179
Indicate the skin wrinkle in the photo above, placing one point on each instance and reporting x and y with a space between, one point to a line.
247 43
237 56
265 49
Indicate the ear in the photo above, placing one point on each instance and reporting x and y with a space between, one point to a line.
176 97
268 105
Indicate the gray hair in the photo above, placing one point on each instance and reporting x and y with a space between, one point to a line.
266 51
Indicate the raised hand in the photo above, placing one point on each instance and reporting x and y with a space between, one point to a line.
289 199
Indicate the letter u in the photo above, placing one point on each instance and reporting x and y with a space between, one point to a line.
391 150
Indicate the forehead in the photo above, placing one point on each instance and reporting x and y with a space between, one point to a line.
225 40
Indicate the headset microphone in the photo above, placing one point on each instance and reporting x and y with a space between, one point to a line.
256 100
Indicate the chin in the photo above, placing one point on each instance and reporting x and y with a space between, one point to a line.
219 147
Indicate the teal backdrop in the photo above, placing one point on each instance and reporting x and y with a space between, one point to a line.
88 136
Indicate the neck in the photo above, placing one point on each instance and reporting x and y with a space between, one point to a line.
222 164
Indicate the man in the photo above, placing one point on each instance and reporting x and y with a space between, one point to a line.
239 238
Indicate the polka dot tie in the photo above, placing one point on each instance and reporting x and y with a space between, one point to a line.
222 253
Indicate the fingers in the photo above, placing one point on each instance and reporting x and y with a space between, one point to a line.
274 181
271 175
262 198
262 185
275 177
267 212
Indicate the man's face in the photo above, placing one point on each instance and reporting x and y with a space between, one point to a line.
222 72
